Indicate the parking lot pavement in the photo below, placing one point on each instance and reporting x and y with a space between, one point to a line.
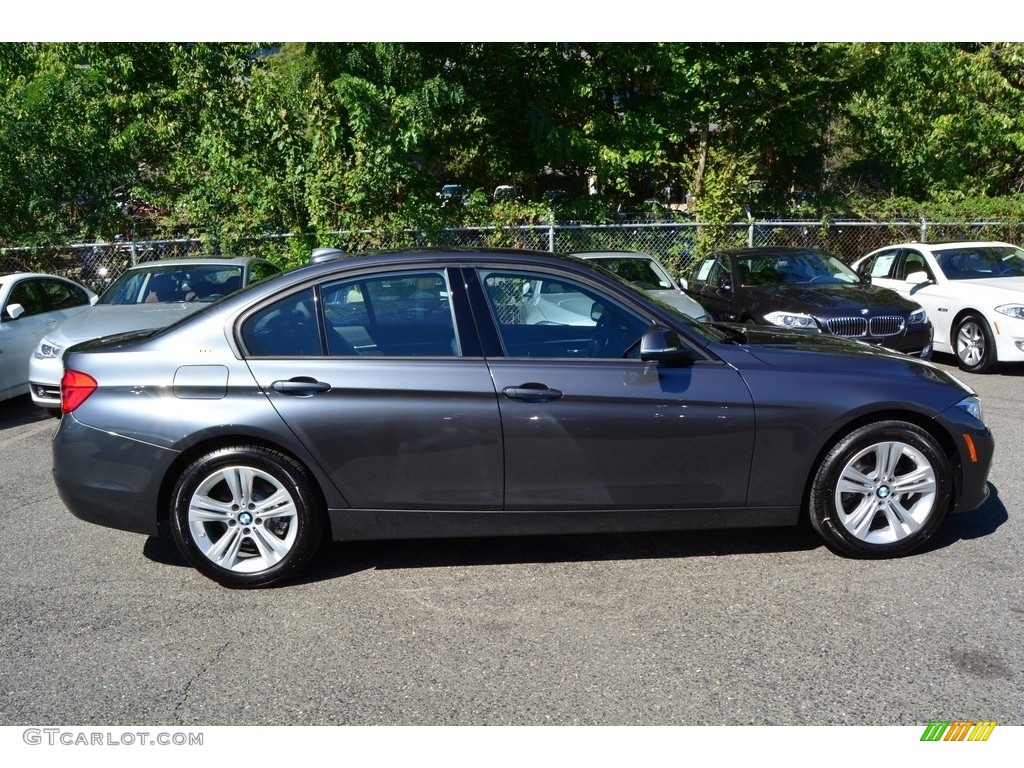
697 628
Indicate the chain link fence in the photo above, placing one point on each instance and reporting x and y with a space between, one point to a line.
677 244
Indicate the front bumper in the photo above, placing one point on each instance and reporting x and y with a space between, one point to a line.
916 341
975 448
45 395
44 375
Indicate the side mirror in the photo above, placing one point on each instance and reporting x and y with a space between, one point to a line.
865 279
14 311
663 345
918 278
596 311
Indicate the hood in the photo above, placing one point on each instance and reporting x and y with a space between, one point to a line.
1001 290
785 348
831 300
766 339
108 319
679 300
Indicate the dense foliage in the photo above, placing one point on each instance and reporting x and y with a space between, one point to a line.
106 140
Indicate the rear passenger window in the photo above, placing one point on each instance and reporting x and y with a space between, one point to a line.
408 314
395 315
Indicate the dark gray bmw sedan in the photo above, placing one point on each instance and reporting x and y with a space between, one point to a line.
402 395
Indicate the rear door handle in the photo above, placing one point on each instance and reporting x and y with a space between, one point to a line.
300 386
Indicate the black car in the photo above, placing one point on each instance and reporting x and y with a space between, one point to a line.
405 395
806 290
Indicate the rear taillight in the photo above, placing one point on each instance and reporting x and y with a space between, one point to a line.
75 388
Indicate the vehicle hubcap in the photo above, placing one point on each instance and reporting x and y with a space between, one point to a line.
970 344
886 492
243 519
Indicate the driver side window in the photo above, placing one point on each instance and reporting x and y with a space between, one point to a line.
542 316
913 261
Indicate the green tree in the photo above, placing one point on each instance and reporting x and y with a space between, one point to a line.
934 119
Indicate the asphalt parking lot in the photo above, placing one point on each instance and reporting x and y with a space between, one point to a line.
759 627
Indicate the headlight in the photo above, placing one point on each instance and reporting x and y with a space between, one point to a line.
972 405
1011 310
792 320
918 317
47 350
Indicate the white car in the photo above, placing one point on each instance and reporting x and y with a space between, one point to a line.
549 302
646 272
149 295
973 292
32 304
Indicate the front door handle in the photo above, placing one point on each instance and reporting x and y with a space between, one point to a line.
531 393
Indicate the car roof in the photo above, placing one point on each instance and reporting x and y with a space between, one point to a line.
417 257
33 274
612 255
950 244
772 250
190 261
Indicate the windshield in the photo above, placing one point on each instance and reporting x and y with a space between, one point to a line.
978 262
794 268
167 284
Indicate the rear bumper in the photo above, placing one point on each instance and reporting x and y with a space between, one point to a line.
108 479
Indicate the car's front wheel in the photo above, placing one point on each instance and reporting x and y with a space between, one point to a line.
246 516
974 346
881 491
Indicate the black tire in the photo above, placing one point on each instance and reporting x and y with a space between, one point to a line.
246 516
974 345
882 491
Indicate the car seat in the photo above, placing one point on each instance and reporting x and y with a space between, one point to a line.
163 288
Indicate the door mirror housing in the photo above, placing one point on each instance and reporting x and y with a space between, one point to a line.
918 278
663 345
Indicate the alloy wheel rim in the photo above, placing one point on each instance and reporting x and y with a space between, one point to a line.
243 519
970 344
886 492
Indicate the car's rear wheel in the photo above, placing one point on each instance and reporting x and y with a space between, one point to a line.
974 346
881 491
246 516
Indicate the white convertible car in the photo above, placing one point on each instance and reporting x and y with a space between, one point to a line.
973 293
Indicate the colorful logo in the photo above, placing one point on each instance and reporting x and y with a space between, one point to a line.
958 730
